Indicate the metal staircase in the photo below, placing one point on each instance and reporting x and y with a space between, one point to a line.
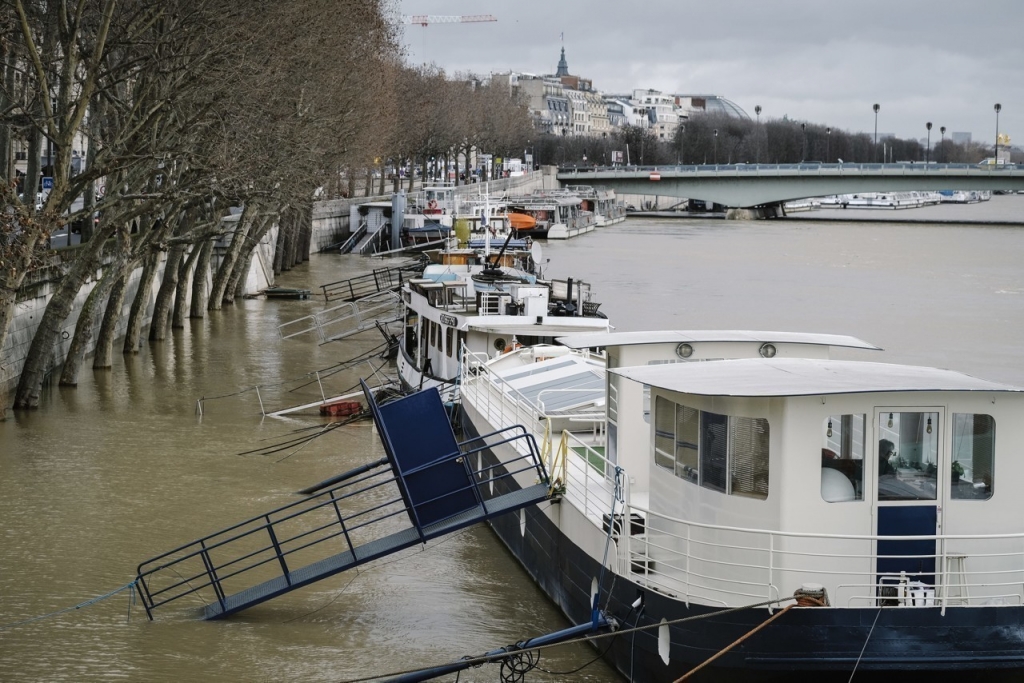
380 280
429 490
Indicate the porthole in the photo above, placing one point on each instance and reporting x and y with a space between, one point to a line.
499 344
684 350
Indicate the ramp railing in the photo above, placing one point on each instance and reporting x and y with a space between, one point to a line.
359 520
380 280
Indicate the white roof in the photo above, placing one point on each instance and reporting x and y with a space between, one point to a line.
579 341
760 377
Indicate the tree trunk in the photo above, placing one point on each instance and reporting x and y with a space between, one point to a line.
236 283
7 299
239 240
279 248
200 293
40 352
83 331
140 304
351 183
164 297
369 183
181 297
111 316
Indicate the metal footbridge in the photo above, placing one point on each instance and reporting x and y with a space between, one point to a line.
423 489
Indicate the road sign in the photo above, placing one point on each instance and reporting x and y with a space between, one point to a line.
47 183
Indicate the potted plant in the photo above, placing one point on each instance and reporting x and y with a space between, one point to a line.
958 471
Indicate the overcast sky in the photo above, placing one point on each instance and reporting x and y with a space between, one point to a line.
822 61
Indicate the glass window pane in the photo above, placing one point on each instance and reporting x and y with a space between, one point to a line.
664 433
749 462
713 450
974 447
842 458
908 453
687 439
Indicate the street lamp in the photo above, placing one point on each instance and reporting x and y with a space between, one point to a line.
928 147
876 107
716 147
998 109
757 113
828 144
803 150
942 145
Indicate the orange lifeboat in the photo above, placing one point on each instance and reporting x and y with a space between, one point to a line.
522 221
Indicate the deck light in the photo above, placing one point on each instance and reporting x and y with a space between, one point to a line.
684 350
929 427
767 350
829 432
890 421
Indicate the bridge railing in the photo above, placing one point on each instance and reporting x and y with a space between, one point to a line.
902 168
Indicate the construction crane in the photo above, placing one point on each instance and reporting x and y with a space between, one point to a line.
427 19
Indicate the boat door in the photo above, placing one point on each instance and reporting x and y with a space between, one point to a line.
907 485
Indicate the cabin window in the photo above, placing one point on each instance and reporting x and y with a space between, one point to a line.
974 447
462 341
449 340
724 453
433 332
842 458
908 455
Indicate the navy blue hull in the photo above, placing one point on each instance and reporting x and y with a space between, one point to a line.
967 644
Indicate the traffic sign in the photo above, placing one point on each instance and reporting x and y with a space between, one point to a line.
47 182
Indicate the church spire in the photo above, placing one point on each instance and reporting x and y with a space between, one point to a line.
563 66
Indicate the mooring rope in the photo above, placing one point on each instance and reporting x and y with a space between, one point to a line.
130 587
857 663
484 659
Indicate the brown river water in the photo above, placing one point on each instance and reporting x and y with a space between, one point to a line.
121 468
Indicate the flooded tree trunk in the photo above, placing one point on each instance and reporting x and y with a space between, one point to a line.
200 292
236 284
7 298
181 297
83 331
164 297
279 247
111 316
140 304
39 359
239 241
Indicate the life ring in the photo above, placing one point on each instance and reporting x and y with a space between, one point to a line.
432 204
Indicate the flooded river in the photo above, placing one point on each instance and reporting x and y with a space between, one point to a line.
123 467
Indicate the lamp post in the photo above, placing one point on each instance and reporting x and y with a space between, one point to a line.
828 144
876 107
942 145
928 147
998 109
757 132
716 147
803 150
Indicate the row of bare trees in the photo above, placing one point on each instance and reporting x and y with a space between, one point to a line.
187 108
710 139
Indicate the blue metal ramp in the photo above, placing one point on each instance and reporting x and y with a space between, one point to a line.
429 490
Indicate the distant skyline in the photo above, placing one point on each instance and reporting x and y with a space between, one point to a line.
942 61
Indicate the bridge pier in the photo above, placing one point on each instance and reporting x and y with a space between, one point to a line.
756 213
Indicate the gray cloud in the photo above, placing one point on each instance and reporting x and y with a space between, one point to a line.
824 61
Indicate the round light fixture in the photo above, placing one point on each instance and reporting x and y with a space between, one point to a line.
684 350
767 350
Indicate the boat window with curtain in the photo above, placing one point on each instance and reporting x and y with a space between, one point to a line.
973 456
842 458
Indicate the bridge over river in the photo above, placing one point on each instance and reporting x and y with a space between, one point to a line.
765 187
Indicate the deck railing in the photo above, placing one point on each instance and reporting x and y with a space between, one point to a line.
732 566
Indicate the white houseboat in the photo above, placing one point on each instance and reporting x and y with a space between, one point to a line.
705 479
488 303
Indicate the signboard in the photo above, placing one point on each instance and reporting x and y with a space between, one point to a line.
449 320
616 157
47 182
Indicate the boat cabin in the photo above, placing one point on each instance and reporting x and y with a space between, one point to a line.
876 481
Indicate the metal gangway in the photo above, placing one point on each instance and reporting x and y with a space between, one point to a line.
347 319
380 280
429 489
